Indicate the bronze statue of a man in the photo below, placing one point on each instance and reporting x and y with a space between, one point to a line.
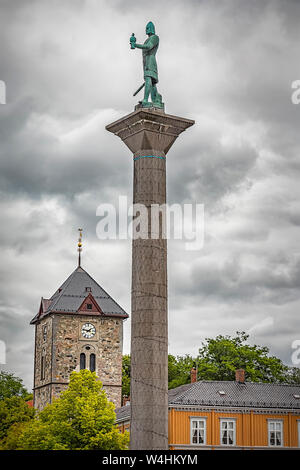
149 48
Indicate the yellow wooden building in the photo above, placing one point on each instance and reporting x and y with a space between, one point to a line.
236 415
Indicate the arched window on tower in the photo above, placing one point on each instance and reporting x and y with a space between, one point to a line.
82 361
92 362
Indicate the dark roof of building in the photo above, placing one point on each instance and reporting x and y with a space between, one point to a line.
233 394
123 413
248 394
178 391
71 294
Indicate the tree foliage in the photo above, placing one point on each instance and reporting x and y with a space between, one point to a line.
11 386
81 418
126 375
220 357
13 410
179 370
293 375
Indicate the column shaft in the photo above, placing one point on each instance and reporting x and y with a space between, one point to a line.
149 317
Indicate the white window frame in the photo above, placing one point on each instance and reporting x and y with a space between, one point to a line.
275 422
227 420
198 419
298 428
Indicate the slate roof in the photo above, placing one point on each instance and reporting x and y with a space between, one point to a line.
249 394
123 413
70 295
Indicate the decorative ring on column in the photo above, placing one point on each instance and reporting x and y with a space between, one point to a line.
148 156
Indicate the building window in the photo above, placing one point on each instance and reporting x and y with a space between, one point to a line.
198 431
227 432
275 433
89 306
45 333
43 366
82 361
92 362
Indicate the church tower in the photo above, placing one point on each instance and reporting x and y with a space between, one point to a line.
79 327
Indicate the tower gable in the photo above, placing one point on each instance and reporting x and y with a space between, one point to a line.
89 306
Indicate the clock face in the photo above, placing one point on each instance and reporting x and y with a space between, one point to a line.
88 330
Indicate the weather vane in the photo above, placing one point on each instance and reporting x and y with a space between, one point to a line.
149 49
79 246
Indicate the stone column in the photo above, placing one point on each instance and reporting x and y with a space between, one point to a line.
149 133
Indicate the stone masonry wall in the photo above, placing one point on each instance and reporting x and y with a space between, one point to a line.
43 347
64 356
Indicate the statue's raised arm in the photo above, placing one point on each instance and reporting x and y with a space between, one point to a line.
149 49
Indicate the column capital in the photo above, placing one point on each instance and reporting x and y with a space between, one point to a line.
146 129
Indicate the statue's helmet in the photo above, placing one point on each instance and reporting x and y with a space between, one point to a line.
150 28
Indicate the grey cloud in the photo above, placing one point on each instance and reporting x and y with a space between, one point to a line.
233 281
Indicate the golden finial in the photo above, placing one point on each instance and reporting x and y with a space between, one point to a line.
79 246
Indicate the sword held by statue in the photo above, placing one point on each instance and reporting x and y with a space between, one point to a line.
139 89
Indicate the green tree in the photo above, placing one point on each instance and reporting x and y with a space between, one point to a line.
13 410
220 357
11 386
126 375
293 375
179 370
81 418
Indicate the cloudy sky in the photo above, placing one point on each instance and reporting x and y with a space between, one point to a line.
229 65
